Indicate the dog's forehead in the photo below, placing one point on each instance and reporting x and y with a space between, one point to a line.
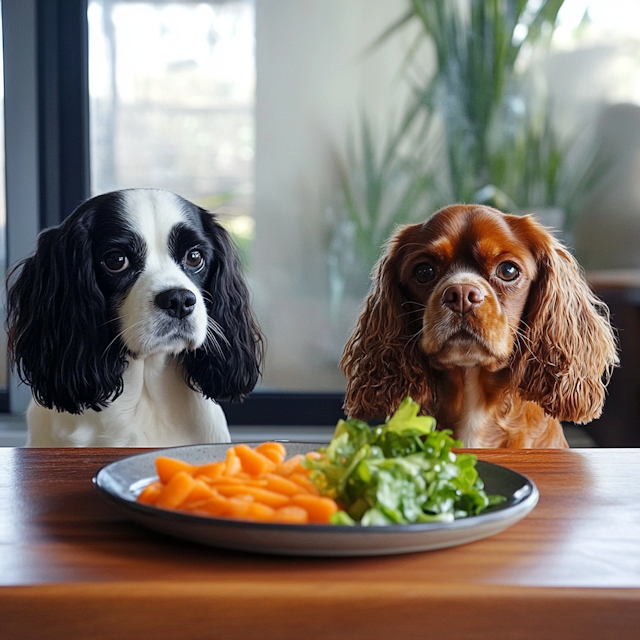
154 213
459 233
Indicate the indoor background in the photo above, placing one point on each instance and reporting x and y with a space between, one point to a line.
314 127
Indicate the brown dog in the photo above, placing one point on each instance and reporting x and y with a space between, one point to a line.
485 320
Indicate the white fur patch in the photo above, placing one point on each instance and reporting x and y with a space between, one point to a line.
153 214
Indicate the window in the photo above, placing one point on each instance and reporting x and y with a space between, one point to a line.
174 104
244 107
171 101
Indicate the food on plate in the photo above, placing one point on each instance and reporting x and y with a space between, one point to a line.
401 472
253 483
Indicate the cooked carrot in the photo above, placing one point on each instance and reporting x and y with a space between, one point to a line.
222 480
304 483
240 505
166 468
270 498
320 509
233 464
277 483
211 470
259 511
275 451
256 484
253 462
290 515
176 491
287 467
150 493
200 492
217 505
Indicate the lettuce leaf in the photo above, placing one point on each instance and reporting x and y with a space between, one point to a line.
401 472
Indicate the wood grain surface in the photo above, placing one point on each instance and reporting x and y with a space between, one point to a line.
72 567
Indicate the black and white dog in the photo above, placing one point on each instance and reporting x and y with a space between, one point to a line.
128 321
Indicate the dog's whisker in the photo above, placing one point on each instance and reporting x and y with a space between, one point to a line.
120 335
207 296
116 319
212 340
217 329
418 304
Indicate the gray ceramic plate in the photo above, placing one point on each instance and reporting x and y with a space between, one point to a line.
123 480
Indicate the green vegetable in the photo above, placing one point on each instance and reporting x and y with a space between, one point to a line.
400 472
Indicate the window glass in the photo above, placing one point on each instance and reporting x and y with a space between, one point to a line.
171 98
264 111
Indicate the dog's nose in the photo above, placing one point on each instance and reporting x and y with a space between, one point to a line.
178 303
462 298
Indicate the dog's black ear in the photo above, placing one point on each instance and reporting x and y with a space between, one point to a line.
228 365
59 339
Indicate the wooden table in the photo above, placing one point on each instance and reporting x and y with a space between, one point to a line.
72 567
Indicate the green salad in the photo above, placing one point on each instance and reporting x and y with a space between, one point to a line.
400 472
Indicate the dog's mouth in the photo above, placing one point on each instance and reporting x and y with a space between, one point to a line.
462 346
467 341
180 335
464 350
164 335
463 331
465 336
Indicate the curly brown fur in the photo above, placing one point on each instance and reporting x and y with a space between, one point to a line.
486 320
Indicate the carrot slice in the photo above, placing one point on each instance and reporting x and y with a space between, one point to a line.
176 492
226 480
211 470
216 506
150 493
270 498
320 509
200 492
166 468
253 462
304 483
290 515
233 464
289 466
277 483
260 511
275 451
240 506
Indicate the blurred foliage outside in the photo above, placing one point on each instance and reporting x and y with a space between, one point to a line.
475 130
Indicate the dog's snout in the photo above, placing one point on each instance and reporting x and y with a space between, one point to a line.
178 303
462 298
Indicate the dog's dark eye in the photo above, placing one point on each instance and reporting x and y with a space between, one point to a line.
507 271
424 273
194 260
115 262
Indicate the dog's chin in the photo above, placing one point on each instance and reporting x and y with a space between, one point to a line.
169 344
464 349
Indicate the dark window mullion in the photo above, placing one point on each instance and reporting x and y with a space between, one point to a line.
63 103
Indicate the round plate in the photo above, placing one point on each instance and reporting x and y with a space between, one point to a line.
123 480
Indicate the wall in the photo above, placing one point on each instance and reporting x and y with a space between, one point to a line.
313 76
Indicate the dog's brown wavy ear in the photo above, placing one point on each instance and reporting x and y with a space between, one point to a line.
568 348
381 361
